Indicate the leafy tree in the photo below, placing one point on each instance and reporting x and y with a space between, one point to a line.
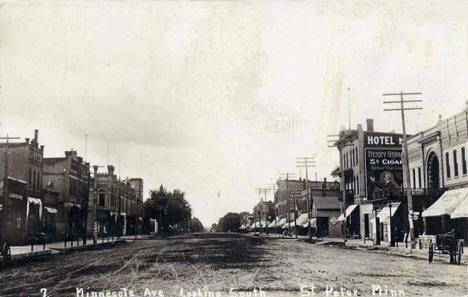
196 225
171 209
230 222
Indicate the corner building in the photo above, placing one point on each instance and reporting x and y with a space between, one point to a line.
372 167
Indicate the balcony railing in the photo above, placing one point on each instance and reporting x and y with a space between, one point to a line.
349 197
400 194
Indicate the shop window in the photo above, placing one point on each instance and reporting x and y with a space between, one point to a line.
455 163
463 160
447 164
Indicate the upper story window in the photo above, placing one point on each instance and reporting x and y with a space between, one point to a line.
447 164
463 153
455 163
419 177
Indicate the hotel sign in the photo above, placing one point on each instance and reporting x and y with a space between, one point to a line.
384 168
383 139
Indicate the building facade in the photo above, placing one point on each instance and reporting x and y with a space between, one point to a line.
438 166
70 176
25 167
116 206
371 164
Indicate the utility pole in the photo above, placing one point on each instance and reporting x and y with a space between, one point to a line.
288 175
307 162
402 109
5 194
272 187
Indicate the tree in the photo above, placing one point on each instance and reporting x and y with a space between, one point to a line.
171 210
196 225
230 222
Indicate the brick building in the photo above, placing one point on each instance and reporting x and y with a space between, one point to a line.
25 166
439 175
371 163
116 206
69 176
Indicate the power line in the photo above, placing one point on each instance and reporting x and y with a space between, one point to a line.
402 109
307 162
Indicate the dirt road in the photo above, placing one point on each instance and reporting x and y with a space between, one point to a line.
211 265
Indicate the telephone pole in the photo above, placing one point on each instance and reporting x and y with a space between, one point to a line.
307 162
402 109
288 175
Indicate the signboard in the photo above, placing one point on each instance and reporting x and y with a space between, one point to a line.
384 170
372 139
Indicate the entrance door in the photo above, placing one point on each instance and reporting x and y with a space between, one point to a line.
366 225
322 226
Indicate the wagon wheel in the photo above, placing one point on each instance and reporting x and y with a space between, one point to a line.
431 251
459 252
6 252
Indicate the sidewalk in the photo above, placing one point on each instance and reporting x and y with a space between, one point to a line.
368 245
56 247
400 250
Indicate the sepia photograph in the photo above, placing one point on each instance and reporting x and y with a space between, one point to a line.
231 148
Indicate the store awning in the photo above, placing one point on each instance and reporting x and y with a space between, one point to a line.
302 219
35 201
50 210
313 223
349 210
281 222
384 214
447 203
287 225
461 211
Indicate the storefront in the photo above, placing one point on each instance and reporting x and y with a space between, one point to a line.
351 217
449 212
15 211
49 223
103 220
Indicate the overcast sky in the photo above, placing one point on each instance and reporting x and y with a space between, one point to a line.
223 95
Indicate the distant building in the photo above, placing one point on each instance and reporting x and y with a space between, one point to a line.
69 175
287 189
116 206
263 213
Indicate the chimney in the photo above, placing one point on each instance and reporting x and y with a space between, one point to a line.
110 170
27 140
36 136
370 125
